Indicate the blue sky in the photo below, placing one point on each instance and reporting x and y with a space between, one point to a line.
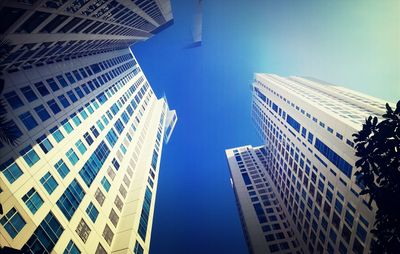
350 43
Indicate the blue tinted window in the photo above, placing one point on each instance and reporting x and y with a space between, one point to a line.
72 96
62 81
92 212
83 113
106 184
83 73
310 137
112 137
54 106
88 138
13 99
94 163
361 233
32 200
29 93
42 113
85 88
67 126
333 157
28 120
70 199
29 155
48 182
79 92
42 88
57 135
144 216
81 147
138 248
61 168
64 101
246 178
71 248
115 163
72 157
44 143
77 75
293 123
11 170
70 78
12 222
45 236
53 85
75 119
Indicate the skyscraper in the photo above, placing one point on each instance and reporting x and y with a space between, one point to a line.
265 224
307 126
34 33
83 175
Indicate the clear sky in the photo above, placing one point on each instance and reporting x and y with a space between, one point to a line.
355 44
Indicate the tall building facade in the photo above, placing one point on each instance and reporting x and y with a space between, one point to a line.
307 126
265 223
83 176
41 32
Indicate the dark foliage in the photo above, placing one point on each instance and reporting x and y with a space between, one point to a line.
378 149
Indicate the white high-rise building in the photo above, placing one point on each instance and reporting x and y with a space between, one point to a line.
307 126
41 32
265 224
83 175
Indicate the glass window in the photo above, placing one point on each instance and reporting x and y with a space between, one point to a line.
13 99
28 120
29 155
88 138
72 96
70 78
54 106
42 113
57 134
62 81
92 212
77 75
8 17
32 22
61 168
71 248
138 248
32 200
42 88
54 23
67 126
53 85
12 222
81 147
83 113
361 233
72 157
64 101
79 92
48 182
100 125
44 143
45 236
70 199
29 93
106 184
94 131
11 170
75 119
